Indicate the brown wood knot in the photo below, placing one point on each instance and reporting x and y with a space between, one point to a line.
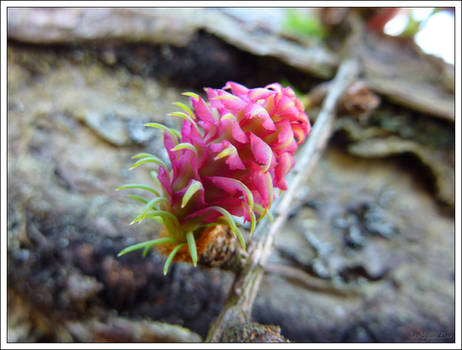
253 332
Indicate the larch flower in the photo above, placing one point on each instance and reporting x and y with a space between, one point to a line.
230 154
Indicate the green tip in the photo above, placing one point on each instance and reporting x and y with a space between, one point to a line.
192 247
171 256
192 189
191 94
226 152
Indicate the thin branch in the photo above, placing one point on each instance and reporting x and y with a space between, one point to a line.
238 306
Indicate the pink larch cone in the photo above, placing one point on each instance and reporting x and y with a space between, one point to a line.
229 156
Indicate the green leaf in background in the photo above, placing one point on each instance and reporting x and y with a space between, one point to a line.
303 24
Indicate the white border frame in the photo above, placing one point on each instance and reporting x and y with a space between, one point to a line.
3 331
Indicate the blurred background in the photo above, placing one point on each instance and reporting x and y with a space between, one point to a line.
368 252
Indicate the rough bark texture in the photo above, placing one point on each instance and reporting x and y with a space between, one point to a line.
366 254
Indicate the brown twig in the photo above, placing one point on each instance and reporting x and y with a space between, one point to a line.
238 306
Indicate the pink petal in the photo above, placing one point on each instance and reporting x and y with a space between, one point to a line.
203 111
238 134
224 100
285 104
255 110
238 210
219 146
169 143
259 93
230 186
215 103
285 139
225 183
233 161
307 126
300 106
206 215
260 184
270 105
290 113
300 132
275 86
210 130
233 127
236 88
288 92
164 179
285 164
285 133
260 149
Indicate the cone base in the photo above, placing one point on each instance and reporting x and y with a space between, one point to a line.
216 247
